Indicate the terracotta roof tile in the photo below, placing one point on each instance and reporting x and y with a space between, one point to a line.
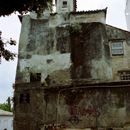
89 11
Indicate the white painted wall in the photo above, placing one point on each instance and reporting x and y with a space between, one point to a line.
6 122
38 63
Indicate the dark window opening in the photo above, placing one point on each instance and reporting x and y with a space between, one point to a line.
64 4
49 61
109 128
24 98
35 77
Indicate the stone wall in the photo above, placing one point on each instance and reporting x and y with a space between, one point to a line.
84 106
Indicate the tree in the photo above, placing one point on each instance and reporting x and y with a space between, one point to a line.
22 6
6 54
6 106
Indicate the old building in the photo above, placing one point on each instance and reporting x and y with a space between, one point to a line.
127 13
73 71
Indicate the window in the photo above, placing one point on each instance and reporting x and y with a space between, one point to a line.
64 4
117 48
35 77
24 98
124 75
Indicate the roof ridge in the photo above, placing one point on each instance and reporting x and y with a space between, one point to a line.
118 28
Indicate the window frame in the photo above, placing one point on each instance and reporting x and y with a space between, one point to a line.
64 4
120 49
124 75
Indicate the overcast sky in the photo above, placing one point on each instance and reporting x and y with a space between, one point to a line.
10 27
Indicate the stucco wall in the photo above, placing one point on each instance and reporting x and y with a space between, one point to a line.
86 106
89 54
47 51
70 50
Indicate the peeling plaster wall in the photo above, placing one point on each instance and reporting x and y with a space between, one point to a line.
47 51
24 36
48 37
66 52
92 108
77 107
46 65
90 56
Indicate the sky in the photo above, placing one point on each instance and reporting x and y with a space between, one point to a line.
11 26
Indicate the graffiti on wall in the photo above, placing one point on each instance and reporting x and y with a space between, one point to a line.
90 106
76 112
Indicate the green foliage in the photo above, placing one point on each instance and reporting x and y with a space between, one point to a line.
6 54
75 28
6 106
22 6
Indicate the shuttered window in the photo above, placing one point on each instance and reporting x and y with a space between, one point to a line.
117 48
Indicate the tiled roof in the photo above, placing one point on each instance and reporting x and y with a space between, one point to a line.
86 12
89 11
118 28
5 113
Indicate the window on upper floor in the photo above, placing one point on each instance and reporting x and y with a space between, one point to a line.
117 48
64 4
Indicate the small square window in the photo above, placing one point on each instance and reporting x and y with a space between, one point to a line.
35 77
24 98
117 48
64 4
124 75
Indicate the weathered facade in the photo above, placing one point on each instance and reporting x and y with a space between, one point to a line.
73 72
